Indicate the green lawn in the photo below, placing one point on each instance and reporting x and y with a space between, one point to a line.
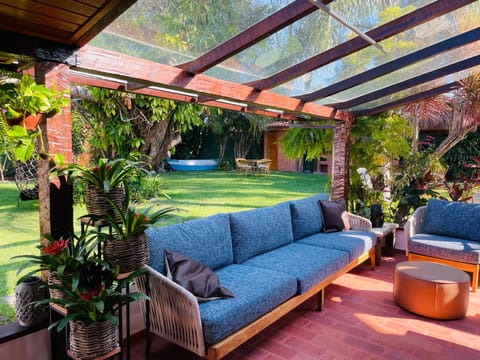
199 193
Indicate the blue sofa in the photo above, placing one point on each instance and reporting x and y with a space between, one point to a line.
447 232
272 259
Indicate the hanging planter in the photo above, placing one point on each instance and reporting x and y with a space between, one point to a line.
27 291
129 255
89 341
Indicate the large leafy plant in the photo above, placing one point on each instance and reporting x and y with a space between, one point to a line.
105 175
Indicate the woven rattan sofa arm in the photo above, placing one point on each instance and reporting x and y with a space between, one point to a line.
359 223
414 225
174 312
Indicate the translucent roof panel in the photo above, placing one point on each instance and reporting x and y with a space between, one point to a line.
422 67
417 89
176 31
429 33
308 37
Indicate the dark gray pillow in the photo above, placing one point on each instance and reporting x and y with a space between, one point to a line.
335 216
199 279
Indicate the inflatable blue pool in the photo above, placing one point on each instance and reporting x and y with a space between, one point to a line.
193 165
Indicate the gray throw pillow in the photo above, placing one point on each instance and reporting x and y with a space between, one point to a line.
199 279
335 216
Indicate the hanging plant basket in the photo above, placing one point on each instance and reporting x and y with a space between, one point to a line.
97 202
89 341
129 255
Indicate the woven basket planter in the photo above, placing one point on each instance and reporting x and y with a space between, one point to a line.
97 202
129 254
89 341
53 280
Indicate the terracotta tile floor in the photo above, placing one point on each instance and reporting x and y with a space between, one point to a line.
359 321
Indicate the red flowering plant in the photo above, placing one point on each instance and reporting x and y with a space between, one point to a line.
97 296
62 255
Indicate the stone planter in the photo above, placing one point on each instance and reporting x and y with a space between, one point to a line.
30 290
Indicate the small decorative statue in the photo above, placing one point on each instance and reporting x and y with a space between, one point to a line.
376 215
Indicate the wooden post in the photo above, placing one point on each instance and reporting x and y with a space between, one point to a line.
341 159
55 197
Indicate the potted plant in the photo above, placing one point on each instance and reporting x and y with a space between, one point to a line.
92 305
59 258
106 183
23 103
127 245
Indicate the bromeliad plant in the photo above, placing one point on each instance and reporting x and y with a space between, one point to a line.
105 175
134 222
127 245
62 256
98 295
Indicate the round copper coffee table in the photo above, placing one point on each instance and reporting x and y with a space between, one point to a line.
430 289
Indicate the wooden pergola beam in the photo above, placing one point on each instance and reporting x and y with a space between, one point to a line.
409 99
261 30
417 80
380 33
430 51
84 79
100 62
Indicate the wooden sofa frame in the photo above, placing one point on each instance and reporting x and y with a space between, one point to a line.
175 315
414 225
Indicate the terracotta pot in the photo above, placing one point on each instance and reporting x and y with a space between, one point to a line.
31 121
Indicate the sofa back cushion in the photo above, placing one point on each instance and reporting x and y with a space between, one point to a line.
260 230
454 219
207 241
307 216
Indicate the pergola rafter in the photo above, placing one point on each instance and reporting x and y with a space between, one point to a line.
94 61
409 99
380 33
266 27
432 75
394 65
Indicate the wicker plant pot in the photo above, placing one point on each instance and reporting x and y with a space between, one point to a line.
97 202
89 341
129 254
53 280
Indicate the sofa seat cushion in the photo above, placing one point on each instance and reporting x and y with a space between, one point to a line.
445 247
307 216
207 241
260 230
309 264
454 219
256 290
354 242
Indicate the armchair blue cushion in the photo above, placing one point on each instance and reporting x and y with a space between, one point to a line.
454 219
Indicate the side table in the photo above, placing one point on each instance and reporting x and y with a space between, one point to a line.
385 239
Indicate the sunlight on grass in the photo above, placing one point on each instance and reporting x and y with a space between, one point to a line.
199 193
